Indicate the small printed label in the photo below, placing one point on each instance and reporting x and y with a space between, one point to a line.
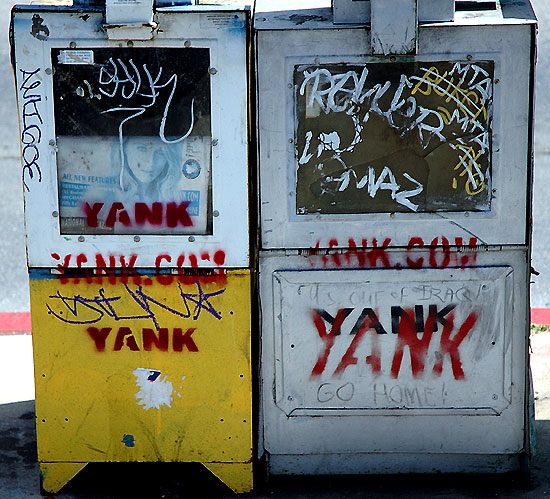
222 20
193 198
72 193
76 57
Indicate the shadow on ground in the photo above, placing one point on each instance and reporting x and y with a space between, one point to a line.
19 475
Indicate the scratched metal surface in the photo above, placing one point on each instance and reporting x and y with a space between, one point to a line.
226 243
283 222
336 359
143 368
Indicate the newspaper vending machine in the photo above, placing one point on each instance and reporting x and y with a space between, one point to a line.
395 167
134 165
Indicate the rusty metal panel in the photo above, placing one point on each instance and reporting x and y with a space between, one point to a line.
314 161
127 148
142 367
347 346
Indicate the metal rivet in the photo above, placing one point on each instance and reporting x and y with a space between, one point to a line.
316 61
72 45
187 43
48 71
212 71
55 214
191 239
81 239
466 214
290 141
497 81
214 142
469 57
137 239
52 142
130 43
290 85
495 396
392 58
216 213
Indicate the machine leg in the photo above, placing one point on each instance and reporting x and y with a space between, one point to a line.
237 476
56 475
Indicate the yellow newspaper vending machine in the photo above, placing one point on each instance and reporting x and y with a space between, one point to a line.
134 165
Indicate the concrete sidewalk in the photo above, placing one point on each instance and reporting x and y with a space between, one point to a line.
19 473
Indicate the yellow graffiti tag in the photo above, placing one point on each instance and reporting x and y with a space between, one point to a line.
468 161
466 100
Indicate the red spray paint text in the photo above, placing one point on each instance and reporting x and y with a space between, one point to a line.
125 339
411 330
156 214
371 253
116 268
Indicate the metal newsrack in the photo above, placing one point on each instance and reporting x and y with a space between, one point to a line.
395 169
134 132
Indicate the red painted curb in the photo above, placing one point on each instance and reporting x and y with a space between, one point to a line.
20 322
540 316
15 322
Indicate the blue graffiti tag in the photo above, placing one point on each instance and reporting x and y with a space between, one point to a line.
102 305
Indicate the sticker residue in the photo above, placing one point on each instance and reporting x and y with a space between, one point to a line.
154 391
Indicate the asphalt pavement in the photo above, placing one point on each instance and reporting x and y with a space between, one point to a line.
19 474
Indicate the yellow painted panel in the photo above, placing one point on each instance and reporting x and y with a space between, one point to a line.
56 475
143 368
237 476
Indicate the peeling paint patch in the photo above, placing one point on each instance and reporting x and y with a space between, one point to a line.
153 391
39 30
128 440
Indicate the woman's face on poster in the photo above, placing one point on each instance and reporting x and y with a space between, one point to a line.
145 157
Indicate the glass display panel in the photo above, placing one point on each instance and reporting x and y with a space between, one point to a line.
134 140
393 137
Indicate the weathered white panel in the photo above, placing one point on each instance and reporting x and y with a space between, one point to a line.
457 386
359 11
394 27
128 11
506 47
418 341
222 243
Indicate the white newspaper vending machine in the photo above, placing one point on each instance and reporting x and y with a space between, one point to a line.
134 133
395 169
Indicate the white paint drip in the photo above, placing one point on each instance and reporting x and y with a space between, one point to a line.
153 391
